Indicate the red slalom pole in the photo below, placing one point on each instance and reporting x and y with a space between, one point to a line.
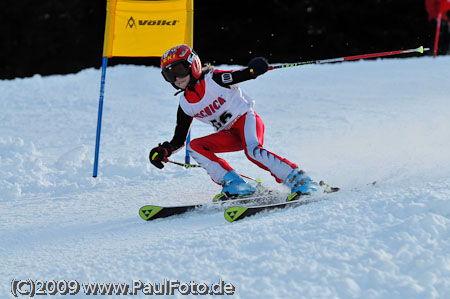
438 30
416 50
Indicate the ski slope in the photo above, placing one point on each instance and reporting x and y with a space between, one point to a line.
348 124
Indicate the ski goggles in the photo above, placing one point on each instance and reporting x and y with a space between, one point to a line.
179 69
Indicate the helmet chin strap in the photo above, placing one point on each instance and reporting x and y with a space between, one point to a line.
176 87
179 90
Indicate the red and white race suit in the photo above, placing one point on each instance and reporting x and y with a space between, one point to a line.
238 128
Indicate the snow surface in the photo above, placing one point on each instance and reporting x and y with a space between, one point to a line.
349 124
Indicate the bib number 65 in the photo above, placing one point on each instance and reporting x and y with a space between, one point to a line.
221 121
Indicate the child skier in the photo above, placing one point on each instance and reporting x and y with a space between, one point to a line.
213 97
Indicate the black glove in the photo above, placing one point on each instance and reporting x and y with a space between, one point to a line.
159 154
258 66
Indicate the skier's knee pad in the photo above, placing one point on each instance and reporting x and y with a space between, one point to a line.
251 150
256 153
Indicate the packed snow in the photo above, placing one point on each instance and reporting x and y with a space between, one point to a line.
349 124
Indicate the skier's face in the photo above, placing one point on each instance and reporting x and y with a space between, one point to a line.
182 82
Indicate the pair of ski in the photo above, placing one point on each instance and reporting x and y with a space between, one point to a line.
239 210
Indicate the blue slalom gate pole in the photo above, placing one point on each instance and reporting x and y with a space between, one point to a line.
187 159
99 118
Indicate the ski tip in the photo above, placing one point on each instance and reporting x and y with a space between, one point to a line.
327 188
148 212
232 214
293 196
220 197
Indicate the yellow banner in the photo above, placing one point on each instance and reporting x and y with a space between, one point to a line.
143 28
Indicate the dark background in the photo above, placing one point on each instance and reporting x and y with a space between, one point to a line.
59 36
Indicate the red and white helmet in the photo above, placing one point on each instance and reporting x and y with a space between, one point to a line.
180 61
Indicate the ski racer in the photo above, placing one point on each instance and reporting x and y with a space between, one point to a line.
213 97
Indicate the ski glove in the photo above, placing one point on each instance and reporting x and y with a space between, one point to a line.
258 66
160 154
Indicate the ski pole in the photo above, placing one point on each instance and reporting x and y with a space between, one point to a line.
420 49
196 165
185 165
